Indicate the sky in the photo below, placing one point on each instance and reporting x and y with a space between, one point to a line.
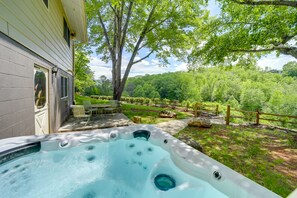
151 65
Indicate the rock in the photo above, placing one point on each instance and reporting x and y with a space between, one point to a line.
191 142
136 119
200 122
167 114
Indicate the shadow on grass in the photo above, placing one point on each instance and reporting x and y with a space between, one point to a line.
268 157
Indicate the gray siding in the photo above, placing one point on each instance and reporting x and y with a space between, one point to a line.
37 27
16 90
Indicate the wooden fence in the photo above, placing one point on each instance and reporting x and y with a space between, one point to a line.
258 116
200 107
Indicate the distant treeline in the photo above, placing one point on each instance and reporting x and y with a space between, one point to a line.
241 88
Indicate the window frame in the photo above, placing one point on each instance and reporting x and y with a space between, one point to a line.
64 87
45 2
66 32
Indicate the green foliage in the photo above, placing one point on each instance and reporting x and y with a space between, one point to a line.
250 89
174 86
104 85
233 102
243 33
247 89
159 28
290 69
82 72
252 99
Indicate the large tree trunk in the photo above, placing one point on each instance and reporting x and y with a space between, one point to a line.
117 49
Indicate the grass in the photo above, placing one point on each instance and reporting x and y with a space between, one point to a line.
79 100
148 114
268 157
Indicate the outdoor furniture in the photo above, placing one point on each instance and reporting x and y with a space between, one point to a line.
79 112
88 107
100 107
114 107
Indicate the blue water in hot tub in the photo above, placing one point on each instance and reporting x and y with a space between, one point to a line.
119 169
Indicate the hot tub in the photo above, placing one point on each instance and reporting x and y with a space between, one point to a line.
127 162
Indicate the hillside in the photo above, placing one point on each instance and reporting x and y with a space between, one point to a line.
249 90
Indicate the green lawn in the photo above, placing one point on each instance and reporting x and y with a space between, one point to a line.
148 114
268 157
79 100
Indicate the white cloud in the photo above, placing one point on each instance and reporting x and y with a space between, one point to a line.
151 66
145 62
274 62
155 61
181 67
99 67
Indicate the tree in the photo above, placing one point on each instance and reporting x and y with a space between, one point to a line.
139 92
290 69
252 99
155 27
104 85
83 75
246 30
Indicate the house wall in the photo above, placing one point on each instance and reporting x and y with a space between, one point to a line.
37 27
17 90
31 34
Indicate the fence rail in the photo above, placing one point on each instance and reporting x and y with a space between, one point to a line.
258 116
199 107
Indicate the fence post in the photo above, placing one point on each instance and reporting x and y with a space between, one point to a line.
257 117
217 110
228 115
196 108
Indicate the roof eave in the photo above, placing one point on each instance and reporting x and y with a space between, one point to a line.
76 18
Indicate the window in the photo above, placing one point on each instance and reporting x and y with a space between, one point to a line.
46 3
64 87
40 89
66 33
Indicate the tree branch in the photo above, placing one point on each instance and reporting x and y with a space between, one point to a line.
145 44
136 48
252 50
106 36
271 2
126 23
157 24
292 51
143 58
113 9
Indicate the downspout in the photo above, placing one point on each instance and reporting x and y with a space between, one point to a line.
73 74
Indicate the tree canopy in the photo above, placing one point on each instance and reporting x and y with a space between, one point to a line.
246 30
290 69
242 88
163 28
83 75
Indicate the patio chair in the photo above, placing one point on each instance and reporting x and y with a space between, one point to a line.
114 107
88 107
79 112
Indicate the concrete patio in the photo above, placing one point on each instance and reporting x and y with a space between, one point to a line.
96 122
